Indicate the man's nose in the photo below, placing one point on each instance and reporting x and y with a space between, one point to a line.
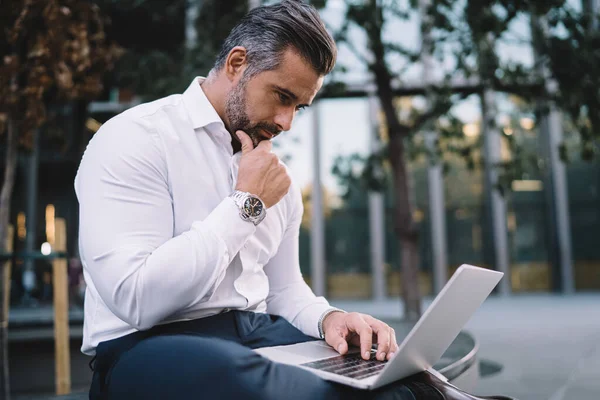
285 118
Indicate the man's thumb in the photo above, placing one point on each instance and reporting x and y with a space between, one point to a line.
340 345
247 145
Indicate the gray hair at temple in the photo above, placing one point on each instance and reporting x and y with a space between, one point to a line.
267 31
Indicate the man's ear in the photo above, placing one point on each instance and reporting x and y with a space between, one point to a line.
236 63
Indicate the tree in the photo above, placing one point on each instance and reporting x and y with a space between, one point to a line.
470 30
370 17
174 41
571 48
53 51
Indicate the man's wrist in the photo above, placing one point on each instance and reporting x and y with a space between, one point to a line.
323 317
251 207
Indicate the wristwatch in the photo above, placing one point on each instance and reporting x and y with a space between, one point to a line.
251 207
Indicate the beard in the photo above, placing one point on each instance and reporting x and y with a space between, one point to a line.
235 110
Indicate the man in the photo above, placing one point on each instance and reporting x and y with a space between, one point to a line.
189 232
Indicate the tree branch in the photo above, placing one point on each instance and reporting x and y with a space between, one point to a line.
399 49
356 53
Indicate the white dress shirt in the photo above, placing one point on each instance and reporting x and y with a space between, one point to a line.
161 240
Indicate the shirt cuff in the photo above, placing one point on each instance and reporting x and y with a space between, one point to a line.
308 319
226 223
322 318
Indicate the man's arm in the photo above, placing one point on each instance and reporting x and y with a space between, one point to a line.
289 296
140 270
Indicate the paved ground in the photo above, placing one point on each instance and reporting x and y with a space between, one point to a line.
549 345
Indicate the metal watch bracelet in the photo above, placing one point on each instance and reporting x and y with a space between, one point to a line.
238 197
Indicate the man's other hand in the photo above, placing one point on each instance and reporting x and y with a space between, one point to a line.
342 329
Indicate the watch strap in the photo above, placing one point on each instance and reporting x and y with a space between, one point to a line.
239 197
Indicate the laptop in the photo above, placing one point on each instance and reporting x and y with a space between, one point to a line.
418 351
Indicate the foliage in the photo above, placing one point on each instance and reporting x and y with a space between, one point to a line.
53 51
158 59
466 32
574 57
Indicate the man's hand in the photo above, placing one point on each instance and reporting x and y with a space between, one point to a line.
261 173
362 330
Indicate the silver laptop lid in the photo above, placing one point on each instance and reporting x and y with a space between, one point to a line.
441 323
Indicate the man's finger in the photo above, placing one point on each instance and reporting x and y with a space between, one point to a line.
337 342
383 340
247 145
336 335
357 324
382 331
394 344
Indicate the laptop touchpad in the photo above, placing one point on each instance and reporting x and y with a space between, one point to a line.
298 353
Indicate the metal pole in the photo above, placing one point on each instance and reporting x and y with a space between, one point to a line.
438 220
376 213
192 12
29 275
435 178
592 7
317 236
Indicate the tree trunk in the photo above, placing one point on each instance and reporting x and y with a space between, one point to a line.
5 197
403 217
405 229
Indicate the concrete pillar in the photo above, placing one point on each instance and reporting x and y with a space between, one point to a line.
317 230
551 134
557 193
376 213
496 202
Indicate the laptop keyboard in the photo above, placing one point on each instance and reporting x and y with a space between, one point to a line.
351 365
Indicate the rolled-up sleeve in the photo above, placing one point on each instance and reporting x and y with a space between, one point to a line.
289 295
140 270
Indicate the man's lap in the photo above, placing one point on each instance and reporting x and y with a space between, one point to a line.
185 366
209 358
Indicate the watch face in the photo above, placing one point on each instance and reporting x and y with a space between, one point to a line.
253 207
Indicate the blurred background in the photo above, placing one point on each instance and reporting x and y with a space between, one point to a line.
450 132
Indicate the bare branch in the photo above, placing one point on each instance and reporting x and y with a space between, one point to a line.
357 53
399 49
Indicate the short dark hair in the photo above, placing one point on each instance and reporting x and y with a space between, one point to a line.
267 31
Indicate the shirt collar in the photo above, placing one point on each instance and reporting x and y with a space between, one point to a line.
200 110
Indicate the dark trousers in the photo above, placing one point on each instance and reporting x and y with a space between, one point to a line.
211 358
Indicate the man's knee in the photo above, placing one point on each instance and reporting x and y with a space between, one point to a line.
179 365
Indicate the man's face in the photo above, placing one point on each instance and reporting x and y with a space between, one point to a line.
267 103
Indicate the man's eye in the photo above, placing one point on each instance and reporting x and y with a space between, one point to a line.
283 98
300 108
